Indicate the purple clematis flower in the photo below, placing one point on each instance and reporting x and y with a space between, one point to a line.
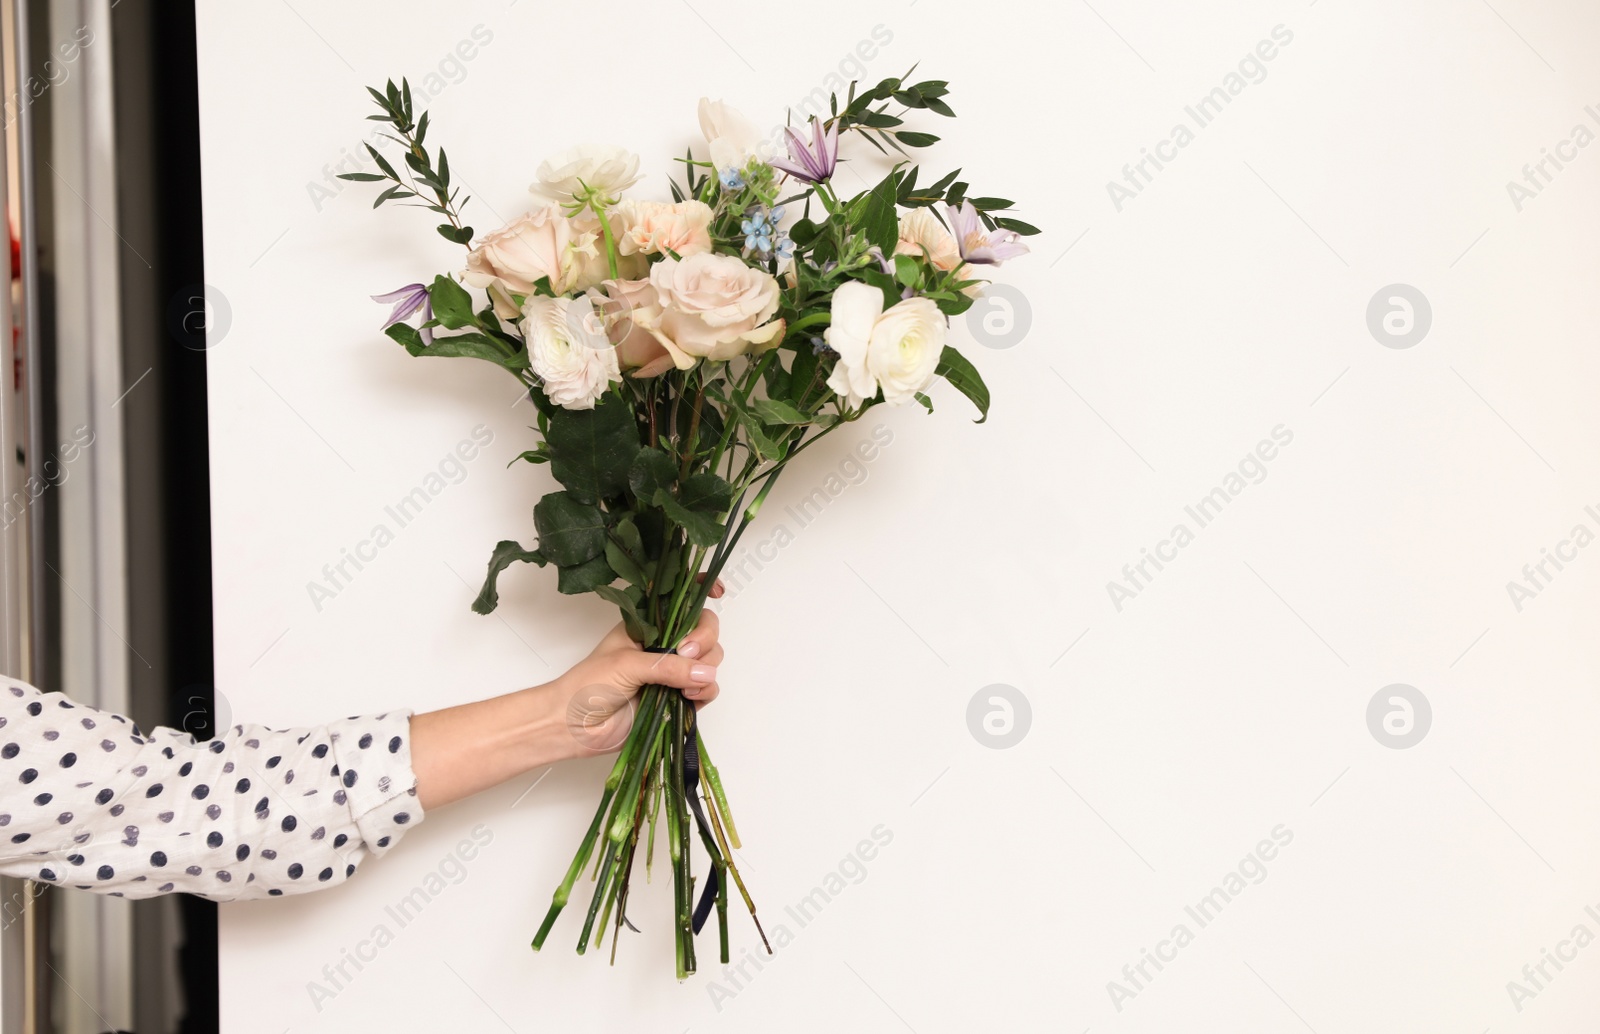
977 245
814 163
408 300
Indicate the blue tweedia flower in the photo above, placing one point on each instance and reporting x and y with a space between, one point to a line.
762 236
819 346
732 179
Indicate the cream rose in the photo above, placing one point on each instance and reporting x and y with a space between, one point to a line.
713 307
895 351
542 243
631 309
587 171
732 138
657 228
568 349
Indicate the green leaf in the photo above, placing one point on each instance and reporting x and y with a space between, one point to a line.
470 346
699 528
907 270
505 554
362 177
625 565
953 367
879 222
407 335
571 530
639 630
455 235
532 456
927 403
705 492
652 469
916 139
585 577
592 450
452 305
383 163
772 411
1016 225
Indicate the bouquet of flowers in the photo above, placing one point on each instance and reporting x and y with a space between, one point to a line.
680 355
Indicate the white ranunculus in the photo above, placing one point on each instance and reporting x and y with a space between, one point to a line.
569 350
588 171
733 139
907 341
856 308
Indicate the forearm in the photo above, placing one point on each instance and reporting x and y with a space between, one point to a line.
462 750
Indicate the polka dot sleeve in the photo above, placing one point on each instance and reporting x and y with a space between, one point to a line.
89 801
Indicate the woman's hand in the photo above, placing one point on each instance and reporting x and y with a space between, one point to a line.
461 750
603 686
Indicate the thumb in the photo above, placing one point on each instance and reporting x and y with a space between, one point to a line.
669 669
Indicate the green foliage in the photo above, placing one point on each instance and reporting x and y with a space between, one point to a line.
571 530
505 554
592 450
953 367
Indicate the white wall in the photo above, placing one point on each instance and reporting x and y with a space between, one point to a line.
1227 699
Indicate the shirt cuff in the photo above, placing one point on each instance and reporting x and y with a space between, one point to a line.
380 788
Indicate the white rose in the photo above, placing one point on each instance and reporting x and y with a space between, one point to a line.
907 341
569 350
856 308
733 139
588 171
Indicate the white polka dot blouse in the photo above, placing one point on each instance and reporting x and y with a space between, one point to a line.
89 801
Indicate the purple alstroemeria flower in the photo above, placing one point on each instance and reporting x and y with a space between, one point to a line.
408 300
977 245
814 163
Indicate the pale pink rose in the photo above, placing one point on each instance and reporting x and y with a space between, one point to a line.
921 229
632 308
542 243
714 307
657 228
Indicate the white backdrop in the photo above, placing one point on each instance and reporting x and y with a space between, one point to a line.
1394 866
